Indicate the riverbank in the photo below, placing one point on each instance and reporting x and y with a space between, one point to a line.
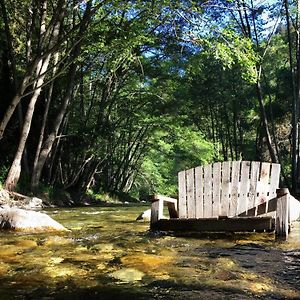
13 199
44 200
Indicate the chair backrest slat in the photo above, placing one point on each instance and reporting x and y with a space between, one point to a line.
226 189
199 191
190 193
274 180
235 186
207 190
263 184
182 213
255 165
216 189
244 187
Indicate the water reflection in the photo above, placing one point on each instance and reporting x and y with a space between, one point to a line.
108 255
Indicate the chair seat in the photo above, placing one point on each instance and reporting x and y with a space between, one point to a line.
234 224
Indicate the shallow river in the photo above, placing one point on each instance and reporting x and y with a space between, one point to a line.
109 255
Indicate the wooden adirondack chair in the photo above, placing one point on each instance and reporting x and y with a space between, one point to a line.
228 196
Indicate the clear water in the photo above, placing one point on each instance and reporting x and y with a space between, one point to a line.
109 255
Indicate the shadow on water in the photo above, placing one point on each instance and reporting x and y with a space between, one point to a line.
108 255
161 289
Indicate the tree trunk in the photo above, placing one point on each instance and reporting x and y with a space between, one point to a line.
294 121
265 122
47 146
15 170
45 150
42 66
42 132
15 101
13 71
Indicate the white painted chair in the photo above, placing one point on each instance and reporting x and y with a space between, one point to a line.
226 196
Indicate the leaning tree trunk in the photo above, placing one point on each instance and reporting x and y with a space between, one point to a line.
49 37
48 144
295 114
15 169
295 120
42 131
25 82
18 89
265 122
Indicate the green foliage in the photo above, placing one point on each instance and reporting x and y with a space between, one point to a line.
231 49
173 149
102 197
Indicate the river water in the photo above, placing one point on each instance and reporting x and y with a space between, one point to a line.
108 255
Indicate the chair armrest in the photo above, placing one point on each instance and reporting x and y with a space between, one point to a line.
158 206
157 197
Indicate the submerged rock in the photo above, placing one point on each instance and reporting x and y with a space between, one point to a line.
145 215
4 268
147 263
20 219
103 247
67 270
26 244
128 275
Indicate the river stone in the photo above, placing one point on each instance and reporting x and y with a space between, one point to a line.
64 271
34 203
20 219
57 241
7 251
128 275
294 209
145 215
147 262
102 247
27 244
4 268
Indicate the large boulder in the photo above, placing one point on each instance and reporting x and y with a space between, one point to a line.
294 209
25 220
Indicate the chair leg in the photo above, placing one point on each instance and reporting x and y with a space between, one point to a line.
156 211
282 217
